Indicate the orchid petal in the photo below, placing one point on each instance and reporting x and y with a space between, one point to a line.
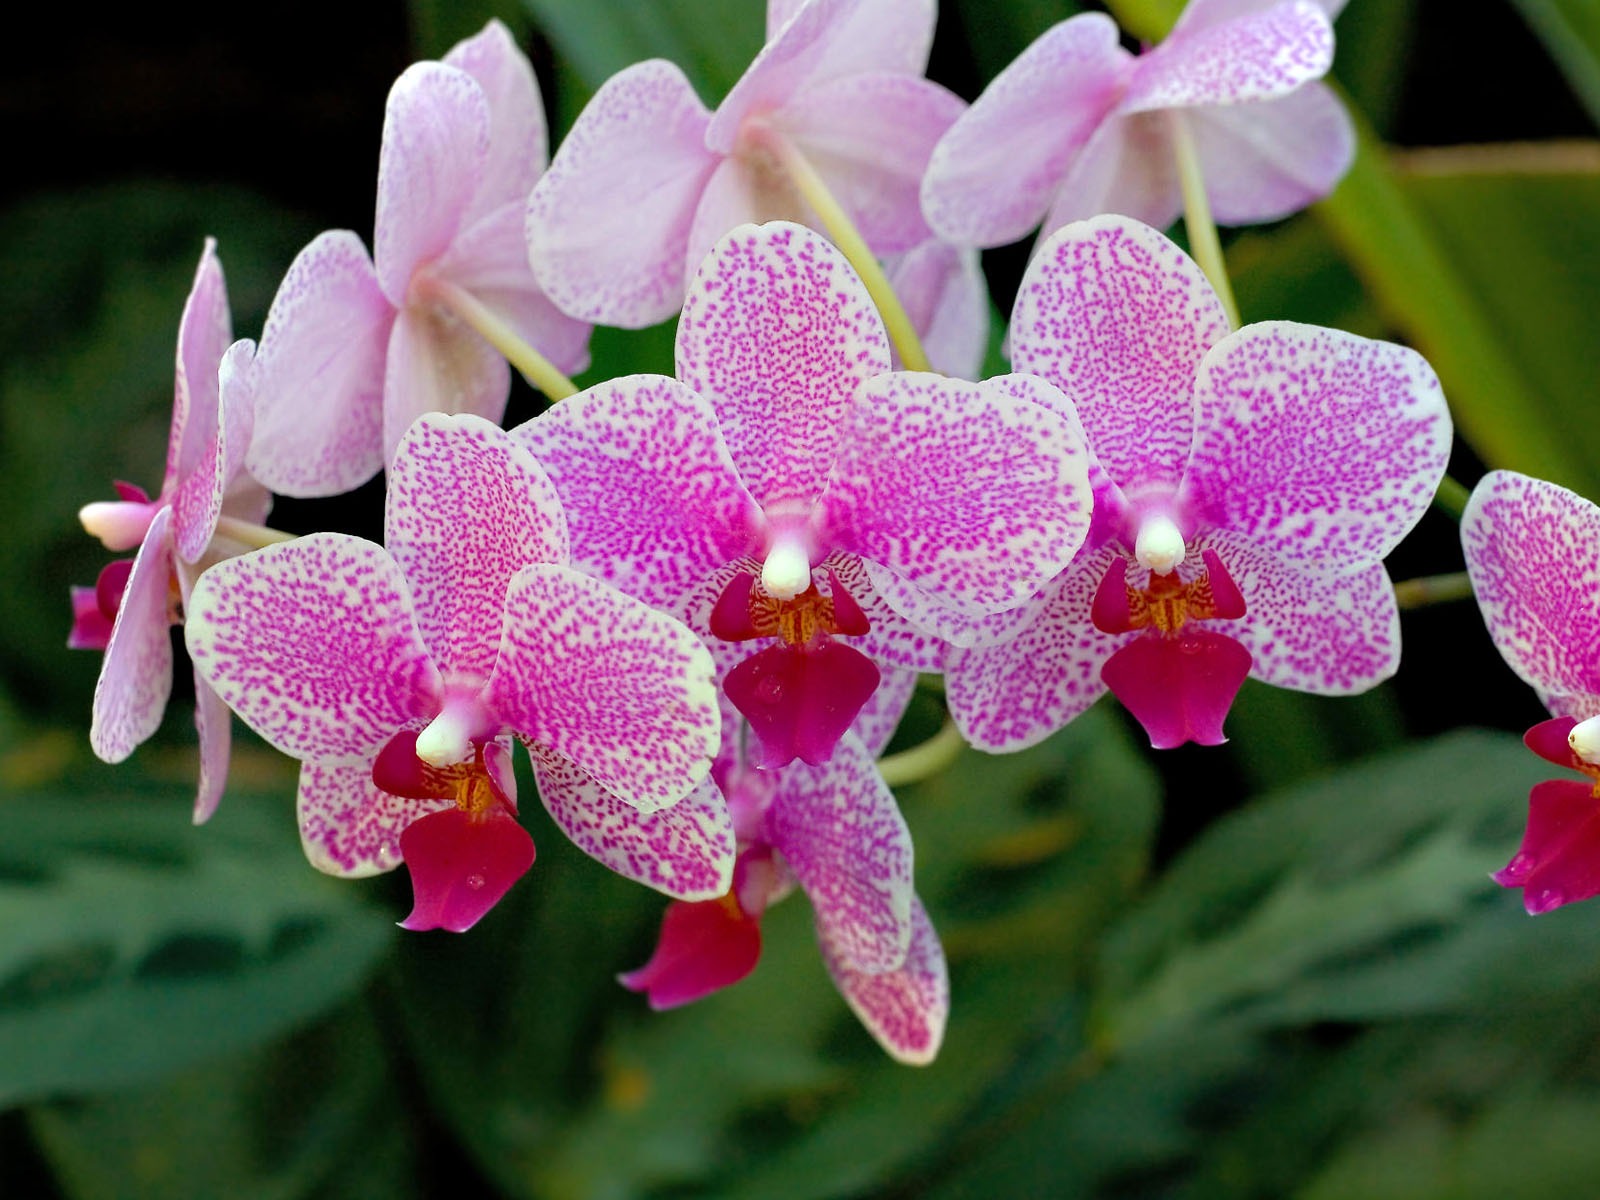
1129 166
1180 687
320 367
1119 319
136 676
702 948
890 638
348 826
437 365
840 831
214 725
1026 129
1323 447
739 193
1533 554
468 508
779 14
777 333
1252 57
654 500
685 851
800 700
203 491
435 148
620 689
1559 859
976 492
518 139
947 301
880 716
1262 162
315 645
1551 741
204 332
608 222
461 865
904 1009
1198 15
91 628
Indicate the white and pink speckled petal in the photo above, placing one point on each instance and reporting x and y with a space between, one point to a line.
217 476
1128 167
1265 161
348 826
991 178
1332 633
1257 56
319 373
213 724
685 851
946 299
435 149
518 139
204 332
436 364
1323 447
608 223
1014 694
314 644
136 673
619 688
978 493
840 830
777 333
892 639
1119 318
468 508
1201 15
653 498
869 138
904 1009
1533 554
880 716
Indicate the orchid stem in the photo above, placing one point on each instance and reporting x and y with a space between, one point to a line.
1451 497
848 238
1203 241
535 367
1432 589
919 762
250 534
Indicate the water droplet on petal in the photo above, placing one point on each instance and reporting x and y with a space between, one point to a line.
1547 899
770 689
475 882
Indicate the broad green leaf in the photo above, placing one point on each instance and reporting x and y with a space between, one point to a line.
996 33
1570 30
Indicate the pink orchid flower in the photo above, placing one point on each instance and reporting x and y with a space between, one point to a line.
1077 126
1247 486
837 833
399 676
135 602
1533 554
947 301
649 178
354 349
789 490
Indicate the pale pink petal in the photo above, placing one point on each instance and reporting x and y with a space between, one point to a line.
1013 695
1118 318
436 364
653 498
826 40
608 223
204 332
213 723
870 137
780 13
777 333
136 676
320 368
947 300
1129 167
841 833
891 638
347 825
622 690
978 493
993 175
314 644
435 150
468 508
1204 14
1533 553
1332 634
204 492
904 1009
741 193
1265 161
1322 446
518 141
461 865
685 851
1258 56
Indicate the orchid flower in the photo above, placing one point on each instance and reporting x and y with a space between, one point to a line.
649 179
1533 555
399 676
1247 486
947 302
788 489
204 494
1077 126
354 349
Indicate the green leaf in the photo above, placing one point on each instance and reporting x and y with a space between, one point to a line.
1570 30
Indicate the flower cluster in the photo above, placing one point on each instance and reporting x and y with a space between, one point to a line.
702 601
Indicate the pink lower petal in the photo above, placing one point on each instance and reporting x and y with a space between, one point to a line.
904 1009
1559 859
214 725
1180 688
703 947
461 865
800 700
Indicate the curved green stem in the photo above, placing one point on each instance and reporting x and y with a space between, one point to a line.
1432 589
848 238
920 762
1203 240
1451 497
535 367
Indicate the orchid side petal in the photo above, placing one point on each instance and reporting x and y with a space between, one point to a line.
947 300
348 825
905 1009
1265 161
213 724
204 332
136 676
518 138
1129 166
437 365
